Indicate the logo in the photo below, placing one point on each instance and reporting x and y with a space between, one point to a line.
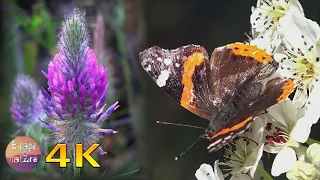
23 154
229 89
79 155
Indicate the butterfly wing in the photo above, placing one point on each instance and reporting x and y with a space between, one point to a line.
245 81
183 74
233 86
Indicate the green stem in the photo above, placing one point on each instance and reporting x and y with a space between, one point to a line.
263 173
68 172
312 141
121 40
76 172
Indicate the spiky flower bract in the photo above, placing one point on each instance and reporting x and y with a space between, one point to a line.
24 100
77 93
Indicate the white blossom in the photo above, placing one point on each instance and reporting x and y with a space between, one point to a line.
243 155
265 21
205 172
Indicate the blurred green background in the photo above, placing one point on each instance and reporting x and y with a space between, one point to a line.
120 29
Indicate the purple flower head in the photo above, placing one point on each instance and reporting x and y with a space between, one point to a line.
77 93
24 101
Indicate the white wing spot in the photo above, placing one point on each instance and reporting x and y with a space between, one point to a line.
163 77
148 68
167 61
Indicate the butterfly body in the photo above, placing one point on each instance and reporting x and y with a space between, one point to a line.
228 89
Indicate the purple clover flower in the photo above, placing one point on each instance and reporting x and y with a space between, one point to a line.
77 93
24 101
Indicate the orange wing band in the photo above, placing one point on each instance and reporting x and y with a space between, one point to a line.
189 68
233 128
251 51
288 88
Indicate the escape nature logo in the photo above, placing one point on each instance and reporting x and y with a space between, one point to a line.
23 154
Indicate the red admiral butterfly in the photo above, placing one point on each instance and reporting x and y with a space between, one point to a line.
237 83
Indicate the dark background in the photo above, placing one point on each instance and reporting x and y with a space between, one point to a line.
168 24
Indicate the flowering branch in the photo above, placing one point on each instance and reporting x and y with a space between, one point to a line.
312 141
280 28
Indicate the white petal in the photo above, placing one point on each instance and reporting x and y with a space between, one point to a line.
293 26
279 56
257 20
284 161
261 43
284 112
291 33
313 110
258 3
253 8
283 61
205 172
271 149
244 169
311 28
301 130
257 129
269 40
301 111
254 158
217 171
296 6
300 97
240 176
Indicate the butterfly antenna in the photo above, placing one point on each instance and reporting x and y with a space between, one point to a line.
183 125
178 157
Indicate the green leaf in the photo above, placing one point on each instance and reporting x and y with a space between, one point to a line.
31 56
50 33
35 23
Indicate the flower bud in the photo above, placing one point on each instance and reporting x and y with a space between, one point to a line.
24 101
313 152
303 171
